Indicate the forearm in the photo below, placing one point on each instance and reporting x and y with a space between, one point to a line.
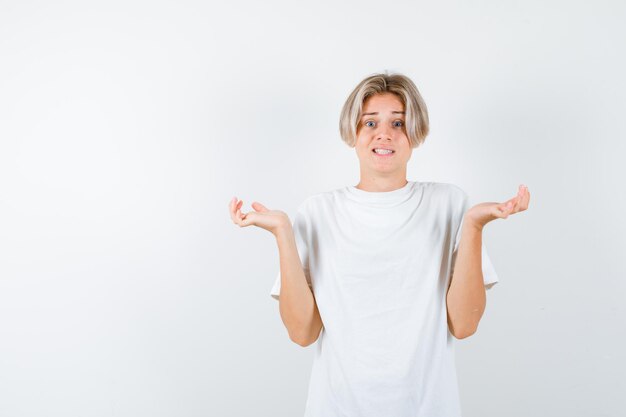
466 295
298 309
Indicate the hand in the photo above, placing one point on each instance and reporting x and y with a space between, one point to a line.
271 220
483 213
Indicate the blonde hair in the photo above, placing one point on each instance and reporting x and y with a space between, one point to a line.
416 116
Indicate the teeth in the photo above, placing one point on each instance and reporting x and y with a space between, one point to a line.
383 151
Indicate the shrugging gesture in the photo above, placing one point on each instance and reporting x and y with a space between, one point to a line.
271 220
481 214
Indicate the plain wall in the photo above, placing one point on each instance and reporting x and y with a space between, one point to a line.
126 128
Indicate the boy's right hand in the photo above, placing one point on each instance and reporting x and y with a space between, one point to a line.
271 220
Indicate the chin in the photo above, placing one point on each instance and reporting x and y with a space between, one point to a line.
385 169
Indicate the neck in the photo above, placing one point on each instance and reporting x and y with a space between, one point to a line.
381 184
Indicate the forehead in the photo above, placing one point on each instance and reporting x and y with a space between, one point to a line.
383 103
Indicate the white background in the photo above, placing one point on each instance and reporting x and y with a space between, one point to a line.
126 128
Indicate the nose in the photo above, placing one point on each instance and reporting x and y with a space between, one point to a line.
384 132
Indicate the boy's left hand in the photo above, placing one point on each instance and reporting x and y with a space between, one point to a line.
483 213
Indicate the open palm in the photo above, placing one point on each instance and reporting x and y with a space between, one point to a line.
271 220
483 213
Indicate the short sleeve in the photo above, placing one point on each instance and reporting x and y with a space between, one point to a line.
490 278
301 228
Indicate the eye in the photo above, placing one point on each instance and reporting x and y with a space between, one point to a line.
369 121
398 123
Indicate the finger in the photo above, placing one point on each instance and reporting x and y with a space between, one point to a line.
246 219
240 215
249 219
231 209
242 218
522 193
520 204
235 211
500 210
506 208
526 199
234 203
516 204
510 200
516 201
259 207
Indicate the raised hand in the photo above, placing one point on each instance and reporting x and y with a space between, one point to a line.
483 213
271 220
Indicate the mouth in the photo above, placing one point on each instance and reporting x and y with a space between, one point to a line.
383 153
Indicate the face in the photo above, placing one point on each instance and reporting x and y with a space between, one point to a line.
382 126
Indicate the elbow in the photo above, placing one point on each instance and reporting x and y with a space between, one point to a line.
302 341
307 338
460 330
464 333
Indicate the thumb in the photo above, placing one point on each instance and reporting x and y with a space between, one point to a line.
259 207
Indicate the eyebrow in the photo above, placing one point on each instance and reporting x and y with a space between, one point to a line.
394 112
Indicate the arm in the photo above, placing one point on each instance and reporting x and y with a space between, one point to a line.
466 296
298 309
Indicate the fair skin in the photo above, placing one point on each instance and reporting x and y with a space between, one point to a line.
297 306
466 297
382 126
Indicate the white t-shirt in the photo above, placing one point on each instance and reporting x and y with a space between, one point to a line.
379 264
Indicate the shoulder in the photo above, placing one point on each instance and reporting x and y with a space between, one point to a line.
310 201
321 204
454 198
320 198
448 191
311 204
